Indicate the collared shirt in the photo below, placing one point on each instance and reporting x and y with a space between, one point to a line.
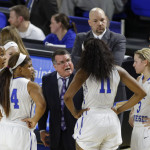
60 85
100 36
60 82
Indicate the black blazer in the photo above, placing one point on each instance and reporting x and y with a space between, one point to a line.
51 94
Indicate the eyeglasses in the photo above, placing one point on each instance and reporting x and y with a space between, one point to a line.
63 62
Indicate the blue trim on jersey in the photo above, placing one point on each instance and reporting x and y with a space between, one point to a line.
77 124
31 142
143 78
81 124
30 117
86 112
18 77
31 109
83 101
118 102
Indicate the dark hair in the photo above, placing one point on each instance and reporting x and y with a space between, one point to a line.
59 52
5 77
21 10
67 24
96 59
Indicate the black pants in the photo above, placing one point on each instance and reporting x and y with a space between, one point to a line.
66 142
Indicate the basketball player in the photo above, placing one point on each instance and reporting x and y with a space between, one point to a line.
10 48
98 126
140 115
2 57
17 98
2 63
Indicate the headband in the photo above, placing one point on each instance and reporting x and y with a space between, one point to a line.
10 44
20 60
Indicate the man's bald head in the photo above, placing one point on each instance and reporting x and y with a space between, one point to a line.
96 10
97 20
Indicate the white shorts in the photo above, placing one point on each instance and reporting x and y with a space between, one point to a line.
98 129
140 139
14 136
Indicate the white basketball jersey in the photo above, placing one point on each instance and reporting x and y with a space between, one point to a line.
21 104
141 110
100 93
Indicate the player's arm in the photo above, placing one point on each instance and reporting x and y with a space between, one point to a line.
131 114
134 86
0 115
75 85
36 94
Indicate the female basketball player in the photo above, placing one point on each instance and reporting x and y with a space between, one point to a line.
98 126
10 48
140 115
2 64
2 57
6 51
17 97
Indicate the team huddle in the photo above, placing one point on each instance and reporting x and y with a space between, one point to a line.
97 126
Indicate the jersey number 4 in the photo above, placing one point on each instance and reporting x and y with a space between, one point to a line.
14 99
102 90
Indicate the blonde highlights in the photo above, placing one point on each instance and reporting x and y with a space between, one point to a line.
144 53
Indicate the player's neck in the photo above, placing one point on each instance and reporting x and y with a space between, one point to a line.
146 76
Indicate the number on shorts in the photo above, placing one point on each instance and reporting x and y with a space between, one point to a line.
102 90
138 110
14 99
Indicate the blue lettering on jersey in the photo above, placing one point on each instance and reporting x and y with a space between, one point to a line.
139 118
102 90
14 99
138 110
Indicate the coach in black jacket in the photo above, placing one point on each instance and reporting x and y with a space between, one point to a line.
51 85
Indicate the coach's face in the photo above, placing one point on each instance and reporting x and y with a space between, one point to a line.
97 21
63 65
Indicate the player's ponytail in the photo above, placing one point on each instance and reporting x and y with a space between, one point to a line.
5 80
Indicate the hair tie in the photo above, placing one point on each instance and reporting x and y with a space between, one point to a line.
10 69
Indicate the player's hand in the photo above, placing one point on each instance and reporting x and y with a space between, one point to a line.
146 122
77 114
45 138
131 118
114 109
131 121
30 122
